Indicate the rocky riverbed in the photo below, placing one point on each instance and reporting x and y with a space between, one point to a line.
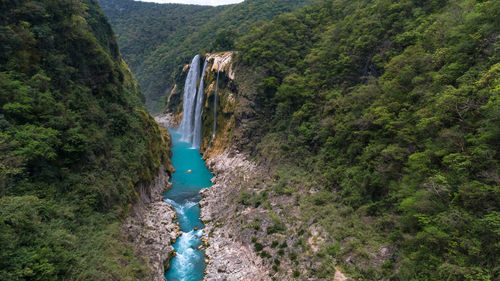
228 257
151 228
237 245
167 120
237 242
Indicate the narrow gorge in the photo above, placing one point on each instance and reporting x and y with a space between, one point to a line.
216 243
265 140
204 250
191 176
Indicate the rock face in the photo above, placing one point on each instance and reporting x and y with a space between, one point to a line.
251 232
239 245
150 226
167 120
228 257
226 101
221 61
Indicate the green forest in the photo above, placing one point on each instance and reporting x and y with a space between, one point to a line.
392 109
157 40
378 119
75 140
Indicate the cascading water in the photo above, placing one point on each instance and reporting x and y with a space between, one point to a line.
190 177
199 111
189 101
215 101
215 104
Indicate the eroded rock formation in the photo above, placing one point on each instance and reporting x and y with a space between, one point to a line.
151 228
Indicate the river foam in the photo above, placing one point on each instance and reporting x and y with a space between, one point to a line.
188 263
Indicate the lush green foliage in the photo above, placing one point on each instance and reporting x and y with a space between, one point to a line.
157 40
151 38
74 142
393 108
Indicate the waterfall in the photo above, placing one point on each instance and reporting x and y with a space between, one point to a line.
215 100
189 101
199 111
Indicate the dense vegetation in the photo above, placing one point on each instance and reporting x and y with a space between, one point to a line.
74 141
157 40
151 40
387 113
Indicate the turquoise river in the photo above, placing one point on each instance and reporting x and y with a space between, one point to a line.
190 177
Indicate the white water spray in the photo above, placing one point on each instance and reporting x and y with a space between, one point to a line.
186 253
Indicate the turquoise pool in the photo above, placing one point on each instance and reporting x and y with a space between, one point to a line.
190 177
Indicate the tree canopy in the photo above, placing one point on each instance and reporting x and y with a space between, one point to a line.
157 40
392 107
75 140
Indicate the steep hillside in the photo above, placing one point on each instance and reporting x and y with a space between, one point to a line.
383 129
151 38
375 127
75 143
172 34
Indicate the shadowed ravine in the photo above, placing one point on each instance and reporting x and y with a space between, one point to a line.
190 177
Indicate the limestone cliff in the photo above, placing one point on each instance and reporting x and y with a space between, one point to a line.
227 100
226 104
245 223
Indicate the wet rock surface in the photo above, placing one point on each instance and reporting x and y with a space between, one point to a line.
151 228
